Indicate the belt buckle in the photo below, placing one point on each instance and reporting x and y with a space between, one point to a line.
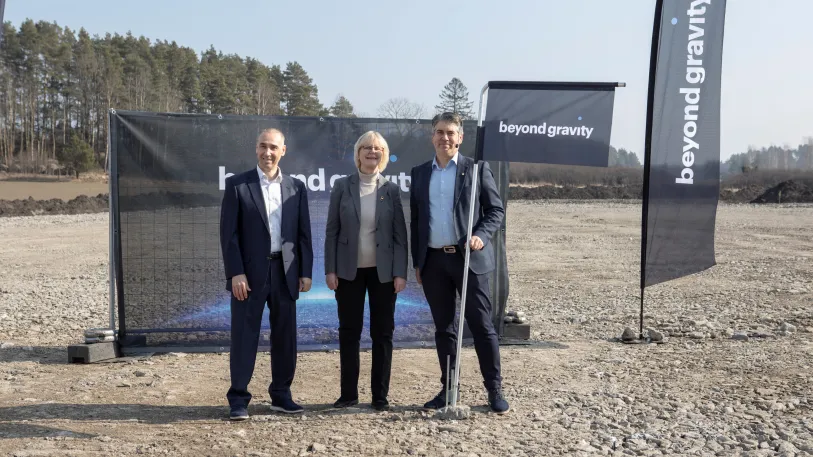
449 249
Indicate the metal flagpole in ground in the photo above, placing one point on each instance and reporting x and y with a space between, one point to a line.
111 305
474 181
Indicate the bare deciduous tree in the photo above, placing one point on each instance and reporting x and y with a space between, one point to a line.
401 108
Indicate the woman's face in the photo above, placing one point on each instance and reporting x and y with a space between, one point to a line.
370 155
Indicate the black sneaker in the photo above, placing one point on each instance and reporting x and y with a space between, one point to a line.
342 403
238 413
497 402
439 401
286 406
381 405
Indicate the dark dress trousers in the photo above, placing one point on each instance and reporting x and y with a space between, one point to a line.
441 270
273 278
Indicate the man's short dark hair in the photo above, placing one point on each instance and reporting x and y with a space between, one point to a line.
271 130
450 117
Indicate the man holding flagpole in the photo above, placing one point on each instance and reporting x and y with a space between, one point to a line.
439 205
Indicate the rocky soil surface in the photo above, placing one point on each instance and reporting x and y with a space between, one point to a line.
734 375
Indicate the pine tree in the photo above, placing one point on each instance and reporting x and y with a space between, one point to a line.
299 94
77 155
455 98
342 107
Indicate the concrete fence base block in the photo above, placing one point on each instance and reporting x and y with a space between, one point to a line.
92 353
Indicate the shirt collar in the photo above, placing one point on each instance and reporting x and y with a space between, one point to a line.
264 179
435 161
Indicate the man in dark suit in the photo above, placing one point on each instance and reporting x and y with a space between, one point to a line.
265 237
439 206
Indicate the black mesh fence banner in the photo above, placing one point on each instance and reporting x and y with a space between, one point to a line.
169 172
682 163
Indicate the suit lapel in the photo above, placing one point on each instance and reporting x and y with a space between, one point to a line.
353 182
460 179
257 196
286 189
427 179
380 196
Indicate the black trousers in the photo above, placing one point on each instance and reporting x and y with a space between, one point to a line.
350 300
442 278
246 318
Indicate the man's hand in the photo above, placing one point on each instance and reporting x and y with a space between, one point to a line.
418 275
476 243
400 284
332 281
239 287
304 284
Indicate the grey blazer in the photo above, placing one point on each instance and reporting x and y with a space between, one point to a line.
342 231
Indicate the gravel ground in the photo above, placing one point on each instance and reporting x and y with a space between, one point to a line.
733 377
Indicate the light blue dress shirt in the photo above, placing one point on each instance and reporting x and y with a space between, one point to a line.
441 204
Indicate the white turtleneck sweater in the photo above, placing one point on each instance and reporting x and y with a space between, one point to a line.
367 191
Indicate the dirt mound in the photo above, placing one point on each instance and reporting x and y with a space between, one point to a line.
791 191
99 204
799 191
788 192
574 193
743 194
30 207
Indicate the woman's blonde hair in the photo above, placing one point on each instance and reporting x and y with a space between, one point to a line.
368 138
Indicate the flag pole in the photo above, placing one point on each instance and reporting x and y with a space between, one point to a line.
478 153
653 65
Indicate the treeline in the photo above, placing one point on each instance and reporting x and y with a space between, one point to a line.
532 174
56 83
771 158
624 169
764 167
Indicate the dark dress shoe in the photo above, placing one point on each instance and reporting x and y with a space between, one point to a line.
342 403
439 401
238 413
381 405
497 402
286 406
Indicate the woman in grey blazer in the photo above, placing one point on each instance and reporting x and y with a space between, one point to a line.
366 253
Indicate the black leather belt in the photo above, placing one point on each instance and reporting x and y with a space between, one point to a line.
275 255
445 249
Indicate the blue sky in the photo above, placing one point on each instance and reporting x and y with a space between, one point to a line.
371 51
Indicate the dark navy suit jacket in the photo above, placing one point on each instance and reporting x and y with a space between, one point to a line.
488 212
246 241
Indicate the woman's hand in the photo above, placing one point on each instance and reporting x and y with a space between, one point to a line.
400 284
332 281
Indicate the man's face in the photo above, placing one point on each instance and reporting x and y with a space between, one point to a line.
270 150
445 136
